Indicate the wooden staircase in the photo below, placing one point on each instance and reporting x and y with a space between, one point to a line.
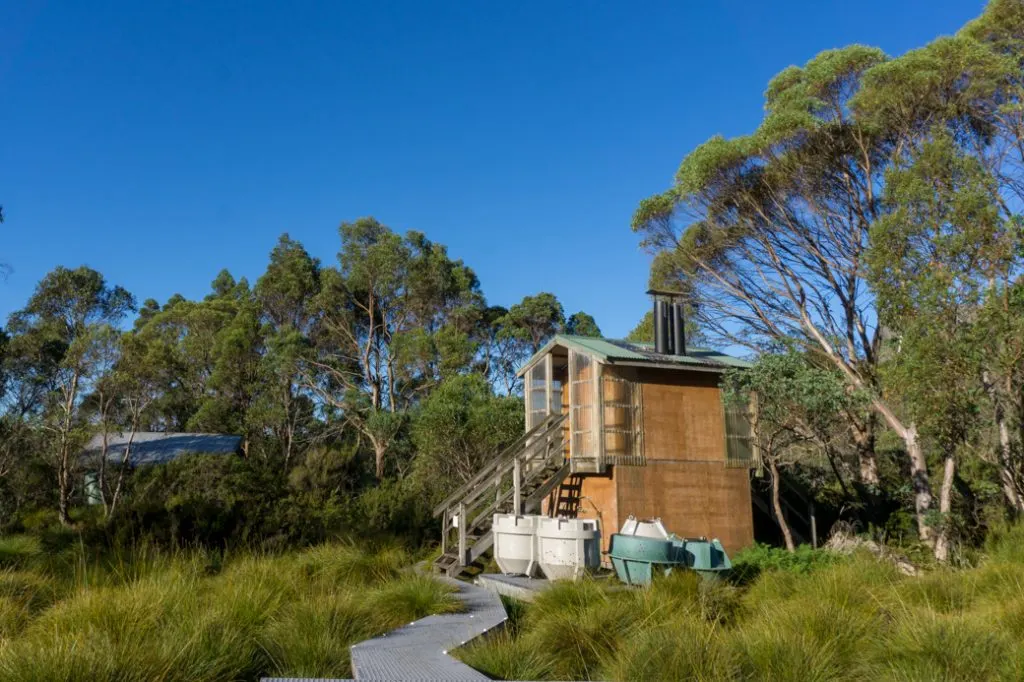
517 480
570 493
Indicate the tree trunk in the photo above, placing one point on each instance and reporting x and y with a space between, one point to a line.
945 506
125 461
101 482
921 485
1007 476
64 491
64 486
918 470
379 450
787 535
907 432
864 439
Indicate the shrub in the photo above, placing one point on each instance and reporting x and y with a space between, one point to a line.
753 561
681 649
155 615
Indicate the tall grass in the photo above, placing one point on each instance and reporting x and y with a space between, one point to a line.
816 618
146 615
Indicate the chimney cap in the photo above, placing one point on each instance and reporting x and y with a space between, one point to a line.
665 292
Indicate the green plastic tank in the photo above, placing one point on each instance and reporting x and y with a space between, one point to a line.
644 548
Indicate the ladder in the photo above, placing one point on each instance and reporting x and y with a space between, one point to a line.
515 481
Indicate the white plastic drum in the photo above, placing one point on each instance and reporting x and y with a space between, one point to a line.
567 548
652 528
515 544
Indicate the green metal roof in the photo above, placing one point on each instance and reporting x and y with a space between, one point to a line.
611 351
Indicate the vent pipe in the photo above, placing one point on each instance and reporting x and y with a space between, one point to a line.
678 329
661 327
669 322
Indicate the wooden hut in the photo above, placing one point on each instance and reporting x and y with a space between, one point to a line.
616 429
648 435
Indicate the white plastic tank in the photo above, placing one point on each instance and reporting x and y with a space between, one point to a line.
651 528
515 544
567 548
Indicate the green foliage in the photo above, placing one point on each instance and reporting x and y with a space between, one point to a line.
534 320
582 324
458 428
291 615
751 562
806 616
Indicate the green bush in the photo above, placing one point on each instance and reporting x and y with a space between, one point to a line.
805 618
749 563
154 615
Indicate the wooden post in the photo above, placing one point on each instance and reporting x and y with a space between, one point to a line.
517 487
599 444
549 370
462 534
573 399
445 527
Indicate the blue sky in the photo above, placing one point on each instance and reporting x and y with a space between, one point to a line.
159 142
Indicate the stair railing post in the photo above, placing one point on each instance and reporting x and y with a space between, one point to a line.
445 527
517 487
462 533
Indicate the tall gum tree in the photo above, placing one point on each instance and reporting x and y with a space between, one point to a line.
771 229
769 232
392 320
65 321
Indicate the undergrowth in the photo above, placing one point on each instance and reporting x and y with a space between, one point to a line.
806 617
147 615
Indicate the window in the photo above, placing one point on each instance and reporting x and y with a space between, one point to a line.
536 395
739 441
622 424
582 402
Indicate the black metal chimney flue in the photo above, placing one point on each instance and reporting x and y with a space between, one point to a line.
678 329
670 308
669 322
661 326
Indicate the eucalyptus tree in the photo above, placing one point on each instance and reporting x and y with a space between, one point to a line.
533 321
932 259
582 324
458 427
772 230
204 355
767 233
799 409
961 96
392 321
286 293
58 334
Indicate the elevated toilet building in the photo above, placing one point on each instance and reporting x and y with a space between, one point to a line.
647 433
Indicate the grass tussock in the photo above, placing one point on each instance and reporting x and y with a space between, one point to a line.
806 619
195 616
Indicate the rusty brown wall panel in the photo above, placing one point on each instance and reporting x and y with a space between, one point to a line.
683 418
691 498
599 501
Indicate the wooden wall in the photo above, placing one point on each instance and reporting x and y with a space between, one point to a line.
692 499
685 481
683 418
599 500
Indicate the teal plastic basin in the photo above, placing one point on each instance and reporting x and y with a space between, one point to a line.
638 559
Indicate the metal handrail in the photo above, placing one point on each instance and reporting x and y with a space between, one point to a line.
506 456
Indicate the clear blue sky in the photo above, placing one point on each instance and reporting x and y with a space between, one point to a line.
159 142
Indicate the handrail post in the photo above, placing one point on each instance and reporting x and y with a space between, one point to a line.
444 532
463 521
517 487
